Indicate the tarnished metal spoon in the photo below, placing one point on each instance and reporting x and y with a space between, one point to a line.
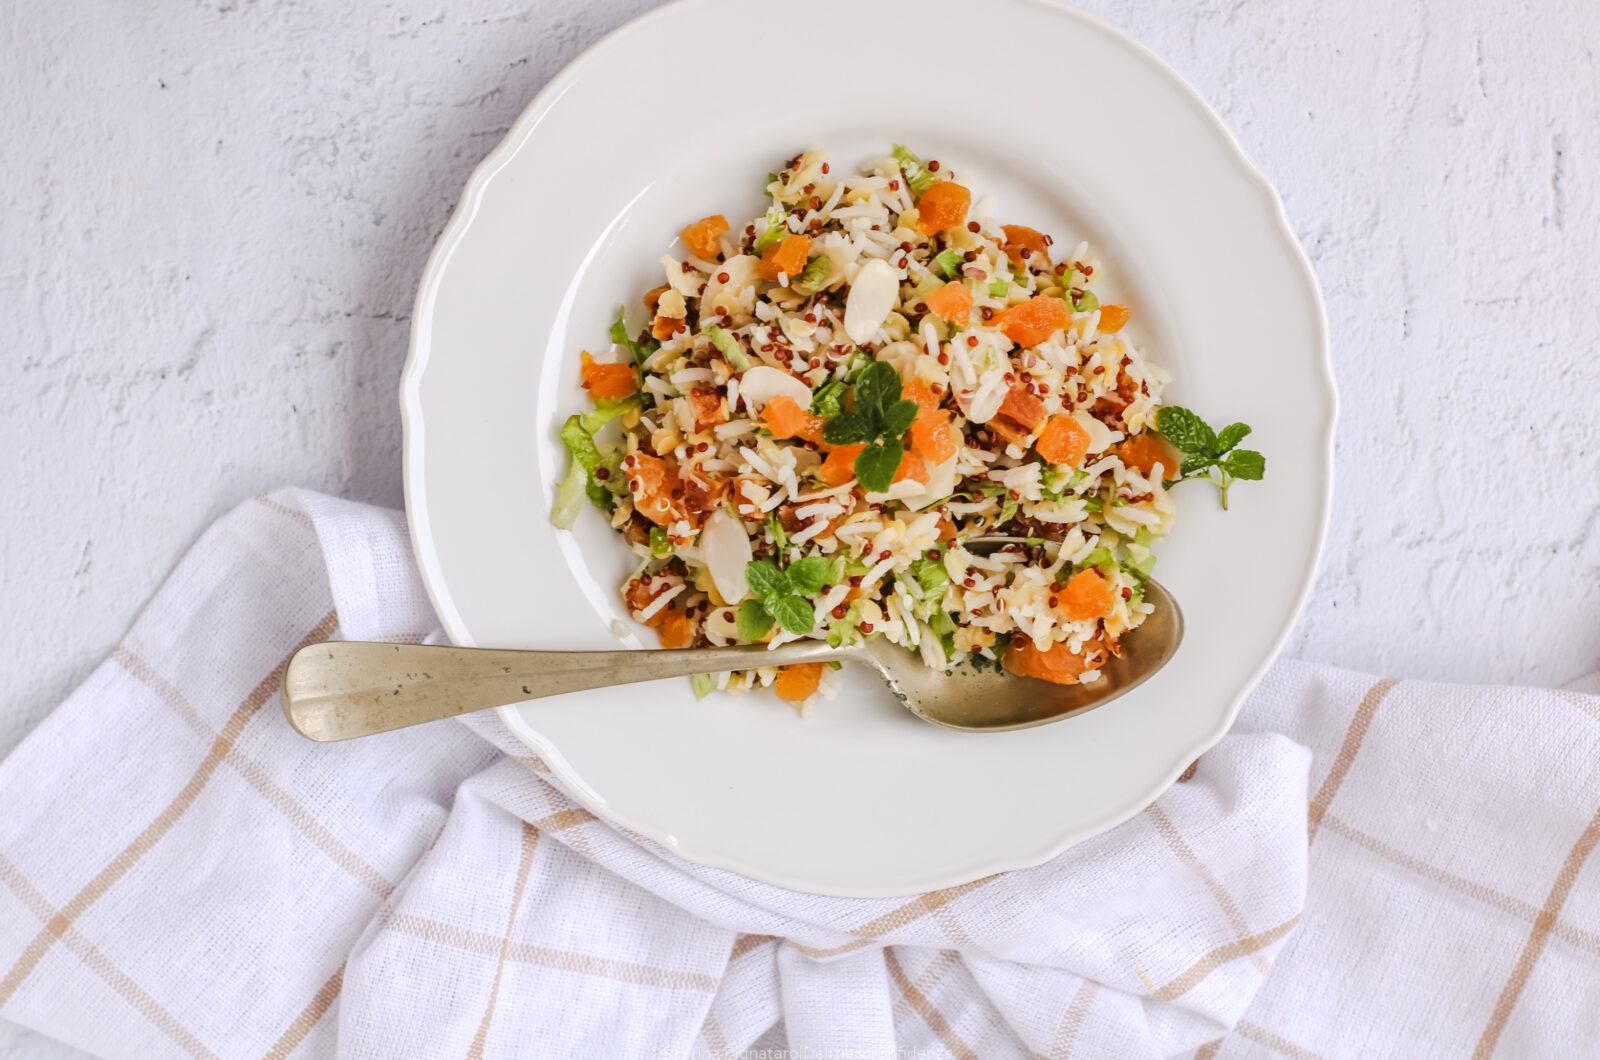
342 689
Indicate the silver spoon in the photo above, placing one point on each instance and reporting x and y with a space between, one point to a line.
342 689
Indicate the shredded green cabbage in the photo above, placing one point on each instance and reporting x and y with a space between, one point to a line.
606 410
569 498
777 227
775 528
810 279
586 460
619 335
1100 557
729 346
931 578
949 263
702 685
917 175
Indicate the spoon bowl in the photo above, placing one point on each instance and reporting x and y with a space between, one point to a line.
981 696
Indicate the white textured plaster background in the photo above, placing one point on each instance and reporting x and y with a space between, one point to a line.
213 215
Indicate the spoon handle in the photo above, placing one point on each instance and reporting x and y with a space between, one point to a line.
341 689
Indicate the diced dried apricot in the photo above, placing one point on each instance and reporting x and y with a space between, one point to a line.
702 491
665 327
930 436
912 466
1145 451
951 302
798 682
1087 596
1023 407
840 467
708 407
784 417
701 237
1056 663
1063 441
651 482
1033 321
930 432
1011 435
677 629
942 206
947 527
652 297
787 256
1020 237
922 394
606 380
1112 317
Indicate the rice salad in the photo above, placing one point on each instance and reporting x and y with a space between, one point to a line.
824 406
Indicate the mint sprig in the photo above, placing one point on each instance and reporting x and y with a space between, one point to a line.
780 595
1206 451
880 419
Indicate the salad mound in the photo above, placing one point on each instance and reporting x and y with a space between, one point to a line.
821 408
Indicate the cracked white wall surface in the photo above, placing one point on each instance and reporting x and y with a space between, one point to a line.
213 215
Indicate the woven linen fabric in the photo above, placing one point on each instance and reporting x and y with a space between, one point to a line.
1362 867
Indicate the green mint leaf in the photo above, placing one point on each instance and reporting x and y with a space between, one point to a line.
847 428
753 621
876 465
877 388
1193 465
949 264
828 399
764 578
795 615
899 417
1245 464
808 576
1230 436
1186 431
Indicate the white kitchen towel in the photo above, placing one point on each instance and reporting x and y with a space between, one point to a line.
1361 867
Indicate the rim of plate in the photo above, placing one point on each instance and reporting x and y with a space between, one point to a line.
413 437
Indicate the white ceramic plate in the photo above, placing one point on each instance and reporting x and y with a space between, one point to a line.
681 114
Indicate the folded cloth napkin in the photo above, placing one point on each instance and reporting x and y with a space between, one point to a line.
1362 866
